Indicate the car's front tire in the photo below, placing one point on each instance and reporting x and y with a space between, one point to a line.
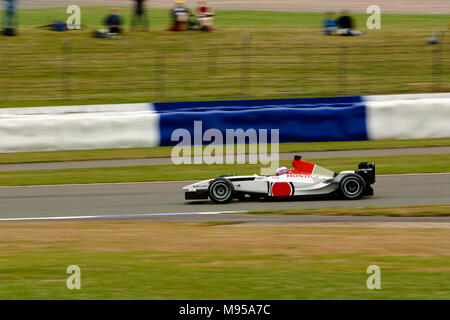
352 187
221 190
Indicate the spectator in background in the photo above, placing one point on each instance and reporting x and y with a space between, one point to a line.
330 24
139 16
180 17
114 22
9 22
205 16
346 25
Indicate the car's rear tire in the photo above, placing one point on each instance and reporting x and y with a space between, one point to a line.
352 187
221 190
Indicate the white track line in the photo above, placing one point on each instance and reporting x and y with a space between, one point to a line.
120 216
99 184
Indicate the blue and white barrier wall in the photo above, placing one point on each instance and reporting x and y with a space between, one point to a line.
418 116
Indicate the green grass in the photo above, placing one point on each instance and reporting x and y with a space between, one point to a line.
217 223
299 63
171 261
385 164
405 211
162 152
140 275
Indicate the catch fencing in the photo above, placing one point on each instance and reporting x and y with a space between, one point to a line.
107 75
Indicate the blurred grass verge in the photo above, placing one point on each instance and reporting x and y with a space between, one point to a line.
420 163
165 152
151 260
404 211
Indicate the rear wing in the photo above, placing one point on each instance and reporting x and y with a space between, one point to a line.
367 171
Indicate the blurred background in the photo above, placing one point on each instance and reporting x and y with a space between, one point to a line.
66 172
250 54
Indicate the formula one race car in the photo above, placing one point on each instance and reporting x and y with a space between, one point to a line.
306 179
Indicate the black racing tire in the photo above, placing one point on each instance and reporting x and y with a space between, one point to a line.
352 187
221 190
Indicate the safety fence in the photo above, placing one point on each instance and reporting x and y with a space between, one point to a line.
112 75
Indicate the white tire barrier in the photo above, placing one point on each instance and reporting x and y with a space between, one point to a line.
73 128
421 116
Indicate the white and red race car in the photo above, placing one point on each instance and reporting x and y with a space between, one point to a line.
306 179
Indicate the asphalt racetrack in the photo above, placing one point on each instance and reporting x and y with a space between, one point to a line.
164 201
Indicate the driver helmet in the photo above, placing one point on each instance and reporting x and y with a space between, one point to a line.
282 170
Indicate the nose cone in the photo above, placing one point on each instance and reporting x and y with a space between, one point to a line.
191 186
